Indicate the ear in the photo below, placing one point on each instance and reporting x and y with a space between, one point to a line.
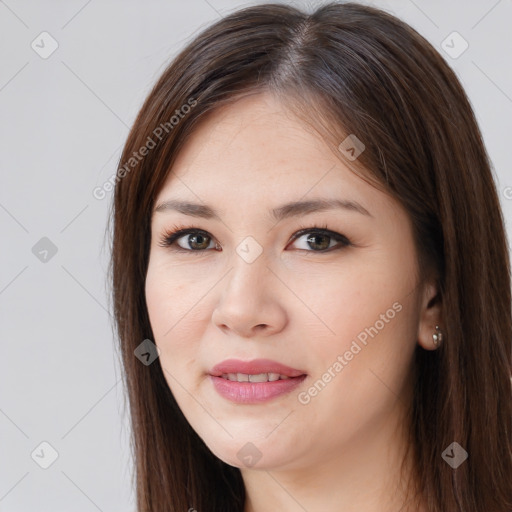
430 315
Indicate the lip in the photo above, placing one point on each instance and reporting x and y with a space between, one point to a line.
254 367
254 392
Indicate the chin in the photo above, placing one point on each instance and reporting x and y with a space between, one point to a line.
243 453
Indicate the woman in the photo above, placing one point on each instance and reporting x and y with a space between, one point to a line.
311 276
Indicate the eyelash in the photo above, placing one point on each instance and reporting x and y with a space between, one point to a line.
170 237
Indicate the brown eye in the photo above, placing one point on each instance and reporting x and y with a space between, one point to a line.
195 241
320 240
187 240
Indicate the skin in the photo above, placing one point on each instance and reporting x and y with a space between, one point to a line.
294 304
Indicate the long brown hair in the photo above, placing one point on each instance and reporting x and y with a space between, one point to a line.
346 69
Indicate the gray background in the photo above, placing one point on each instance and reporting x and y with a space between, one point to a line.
64 120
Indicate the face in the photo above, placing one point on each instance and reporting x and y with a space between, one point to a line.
331 294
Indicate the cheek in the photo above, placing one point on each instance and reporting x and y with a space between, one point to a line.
357 384
170 297
171 328
159 295
369 319
340 303
167 310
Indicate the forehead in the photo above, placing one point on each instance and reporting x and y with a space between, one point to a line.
255 152
256 140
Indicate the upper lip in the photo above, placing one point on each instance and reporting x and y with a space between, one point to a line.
254 367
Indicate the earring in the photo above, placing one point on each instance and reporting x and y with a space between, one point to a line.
437 337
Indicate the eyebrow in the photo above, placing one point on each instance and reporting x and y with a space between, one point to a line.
285 211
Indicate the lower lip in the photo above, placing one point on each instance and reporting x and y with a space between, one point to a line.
254 392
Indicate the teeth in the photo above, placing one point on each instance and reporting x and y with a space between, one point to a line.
260 377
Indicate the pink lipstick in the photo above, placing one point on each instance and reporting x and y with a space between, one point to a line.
256 381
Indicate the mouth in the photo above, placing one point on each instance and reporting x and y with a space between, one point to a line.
260 377
255 368
251 382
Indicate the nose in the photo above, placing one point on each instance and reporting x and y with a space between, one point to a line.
250 303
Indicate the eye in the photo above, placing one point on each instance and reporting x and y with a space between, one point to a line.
189 239
321 239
